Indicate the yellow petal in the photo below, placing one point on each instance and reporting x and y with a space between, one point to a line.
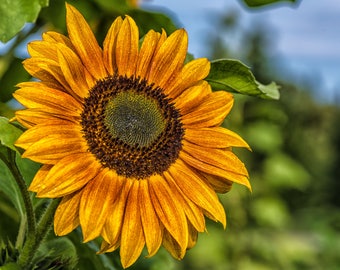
147 52
191 73
169 210
113 225
152 230
169 59
193 235
40 176
127 47
132 240
219 184
97 202
192 211
52 148
107 247
192 97
51 100
222 158
55 37
109 46
197 190
69 175
211 112
215 137
85 42
42 49
32 117
58 127
46 70
73 71
172 246
230 175
66 217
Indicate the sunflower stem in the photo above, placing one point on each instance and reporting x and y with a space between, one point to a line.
43 227
30 216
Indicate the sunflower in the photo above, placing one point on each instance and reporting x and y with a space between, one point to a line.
129 137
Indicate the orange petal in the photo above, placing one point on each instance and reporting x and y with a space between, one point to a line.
109 45
211 112
197 190
193 235
214 170
214 137
66 217
32 117
42 49
85 42
97 202
192 97
172 246
169 59
46 70
147 51
113 225
127 47
219 184
169 210
57 127
132 237
52 148
151 226
191 73
67 176
192 211
55 37
41 96
107 247
73 70
40 176
221 158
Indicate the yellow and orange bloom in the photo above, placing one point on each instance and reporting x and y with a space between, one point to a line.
129 136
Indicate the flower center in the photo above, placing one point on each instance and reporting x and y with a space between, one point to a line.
134 119
131 126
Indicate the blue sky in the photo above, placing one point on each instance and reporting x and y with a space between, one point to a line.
307 35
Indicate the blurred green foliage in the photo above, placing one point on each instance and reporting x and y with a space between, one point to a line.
291 220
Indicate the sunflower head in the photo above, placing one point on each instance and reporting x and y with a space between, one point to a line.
129 136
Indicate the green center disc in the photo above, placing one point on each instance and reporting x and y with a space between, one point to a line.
134 119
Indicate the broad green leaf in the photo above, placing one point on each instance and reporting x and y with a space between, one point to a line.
8 133
233 76
258 3
15 13
9 187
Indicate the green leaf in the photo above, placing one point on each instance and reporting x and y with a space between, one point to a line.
9 187
147 20
8 133
233 76
258 3
114 5
15 13
10 266
57 253
14 74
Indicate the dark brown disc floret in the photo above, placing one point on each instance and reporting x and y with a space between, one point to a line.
131 126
